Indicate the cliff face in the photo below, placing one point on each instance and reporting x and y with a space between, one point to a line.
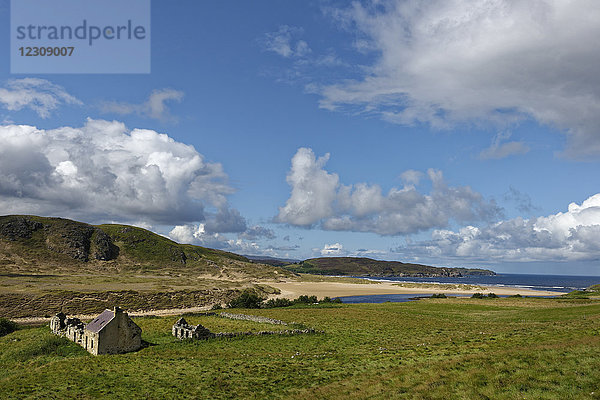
74 239
356 266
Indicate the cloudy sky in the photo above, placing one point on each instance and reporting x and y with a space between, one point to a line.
456 133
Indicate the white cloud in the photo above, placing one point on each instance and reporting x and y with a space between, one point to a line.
318 199
285 43
412 177
565 236
39 95
226 220
103 171
154 107
198 235
313 190
335 249
502 149
444 62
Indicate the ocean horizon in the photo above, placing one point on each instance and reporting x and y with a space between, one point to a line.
557 283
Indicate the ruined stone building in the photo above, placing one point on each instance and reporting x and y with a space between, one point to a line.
183 330
109 333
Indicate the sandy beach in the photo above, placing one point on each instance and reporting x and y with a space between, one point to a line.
293 289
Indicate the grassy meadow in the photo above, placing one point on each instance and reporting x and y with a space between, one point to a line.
507 348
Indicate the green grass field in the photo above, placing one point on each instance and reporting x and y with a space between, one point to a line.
432 349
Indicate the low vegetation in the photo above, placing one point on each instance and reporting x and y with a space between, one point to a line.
484 296
439 296
250 299
591 292
456 348
7 326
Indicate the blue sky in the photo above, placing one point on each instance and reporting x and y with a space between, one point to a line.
449 133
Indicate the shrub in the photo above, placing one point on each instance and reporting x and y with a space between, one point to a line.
217 307
328 299
438 296
247 299
7 326
483 296
304 299
282 302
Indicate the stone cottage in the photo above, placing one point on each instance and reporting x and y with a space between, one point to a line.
109 333
183 330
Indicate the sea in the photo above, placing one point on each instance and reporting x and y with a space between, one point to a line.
556 283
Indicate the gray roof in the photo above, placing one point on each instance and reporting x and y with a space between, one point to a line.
100 321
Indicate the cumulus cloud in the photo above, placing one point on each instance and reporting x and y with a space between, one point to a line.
313 190
197 235
103 171
246 242
154 107
39 95
226 220
444 62
565 236
285 42
500 148
335 249
318 199
258 232
412 177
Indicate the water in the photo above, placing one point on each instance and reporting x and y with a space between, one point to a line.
382 298
556 283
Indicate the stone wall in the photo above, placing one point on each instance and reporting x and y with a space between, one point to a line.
254 318
182 330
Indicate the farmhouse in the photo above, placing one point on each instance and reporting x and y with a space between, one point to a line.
109 333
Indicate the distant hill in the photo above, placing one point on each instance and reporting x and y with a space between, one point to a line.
278 262
38 244
356 266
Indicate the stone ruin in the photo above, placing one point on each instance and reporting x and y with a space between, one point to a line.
110 332
183 330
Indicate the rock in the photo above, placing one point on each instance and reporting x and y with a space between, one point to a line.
105 249
18 227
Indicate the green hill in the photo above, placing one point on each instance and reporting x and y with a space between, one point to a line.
40 244
356 266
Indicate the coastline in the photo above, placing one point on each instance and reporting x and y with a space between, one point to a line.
293 289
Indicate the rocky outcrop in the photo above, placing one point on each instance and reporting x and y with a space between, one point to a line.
18 227
104 248
75 239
